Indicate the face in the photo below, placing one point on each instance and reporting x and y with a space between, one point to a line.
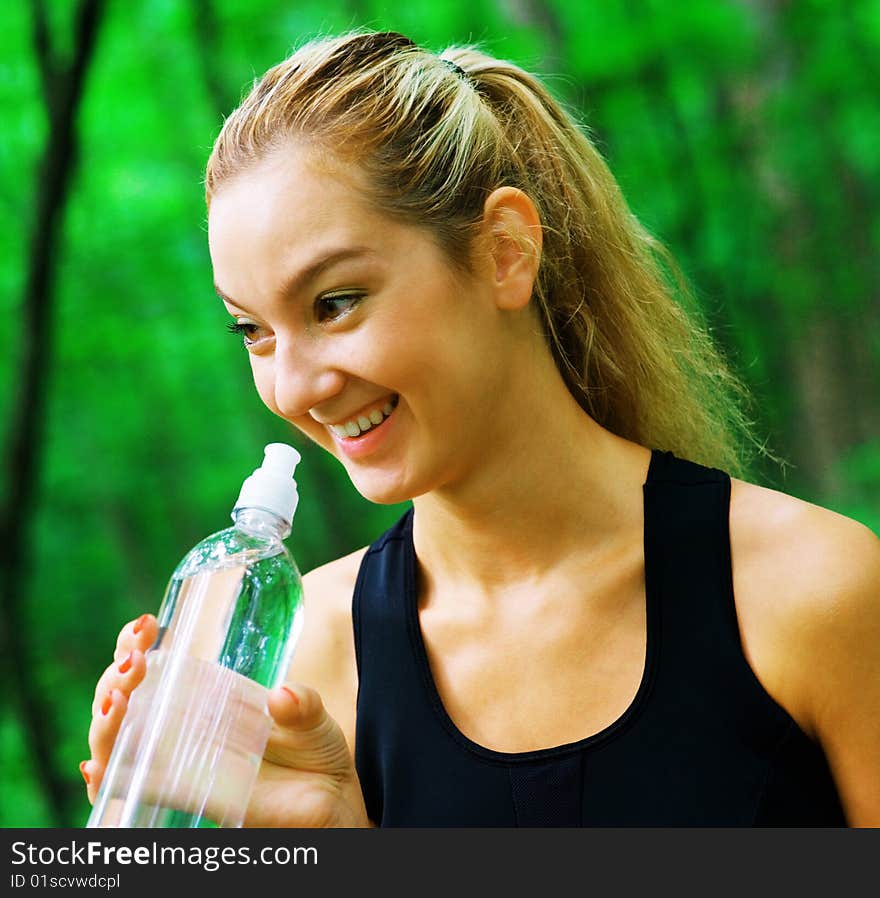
358 330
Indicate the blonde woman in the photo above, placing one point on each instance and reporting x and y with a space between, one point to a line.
587 618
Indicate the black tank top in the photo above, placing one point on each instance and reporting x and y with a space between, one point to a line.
701 744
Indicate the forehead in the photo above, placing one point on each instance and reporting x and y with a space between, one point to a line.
279 218
292 185
291 205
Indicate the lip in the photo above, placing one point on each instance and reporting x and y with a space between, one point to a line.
367 443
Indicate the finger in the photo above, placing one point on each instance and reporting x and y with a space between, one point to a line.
138 634
102 735
104 729
91 773
123 675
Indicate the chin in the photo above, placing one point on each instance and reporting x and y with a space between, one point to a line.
379 496
380 490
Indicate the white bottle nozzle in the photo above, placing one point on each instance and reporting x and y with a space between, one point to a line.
272 485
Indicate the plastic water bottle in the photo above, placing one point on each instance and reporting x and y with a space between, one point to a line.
190 745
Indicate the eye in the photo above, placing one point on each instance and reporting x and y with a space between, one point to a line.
333 306
247 330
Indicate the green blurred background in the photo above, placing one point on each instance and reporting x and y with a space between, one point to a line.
745 133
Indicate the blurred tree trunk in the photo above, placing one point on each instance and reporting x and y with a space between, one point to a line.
62 87
832 370
206 30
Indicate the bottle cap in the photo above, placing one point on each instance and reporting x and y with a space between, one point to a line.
272 485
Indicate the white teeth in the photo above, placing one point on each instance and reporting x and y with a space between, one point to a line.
363 423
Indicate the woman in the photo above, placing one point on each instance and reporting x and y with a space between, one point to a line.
584 620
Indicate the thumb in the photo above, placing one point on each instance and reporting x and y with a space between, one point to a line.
304 735
297 707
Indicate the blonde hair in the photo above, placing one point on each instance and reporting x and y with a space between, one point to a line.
435 134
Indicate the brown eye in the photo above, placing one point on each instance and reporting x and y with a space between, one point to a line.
336 305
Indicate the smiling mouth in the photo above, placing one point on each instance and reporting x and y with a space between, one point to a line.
366 422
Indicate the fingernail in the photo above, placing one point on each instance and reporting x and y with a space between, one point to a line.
82 770
108 704
139 623
125 665
292 694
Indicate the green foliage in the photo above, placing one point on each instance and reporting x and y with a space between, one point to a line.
746 136
859 470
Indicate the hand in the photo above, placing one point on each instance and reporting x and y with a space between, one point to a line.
307 777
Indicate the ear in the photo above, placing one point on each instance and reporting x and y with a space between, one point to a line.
513 230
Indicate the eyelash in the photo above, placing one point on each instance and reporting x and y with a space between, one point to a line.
243 329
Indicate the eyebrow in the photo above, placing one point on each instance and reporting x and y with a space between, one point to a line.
298 280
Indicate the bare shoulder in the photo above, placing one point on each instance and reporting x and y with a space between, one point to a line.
811 558
324 657
800 573
327 635
328 588
807 589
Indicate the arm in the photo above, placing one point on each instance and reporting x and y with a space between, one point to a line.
807 587
841 665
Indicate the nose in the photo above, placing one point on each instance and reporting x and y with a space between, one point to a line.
303 378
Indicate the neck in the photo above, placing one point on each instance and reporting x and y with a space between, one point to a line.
558 488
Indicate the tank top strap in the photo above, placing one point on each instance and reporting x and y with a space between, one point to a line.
688 564
666 467
387 700
378 604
